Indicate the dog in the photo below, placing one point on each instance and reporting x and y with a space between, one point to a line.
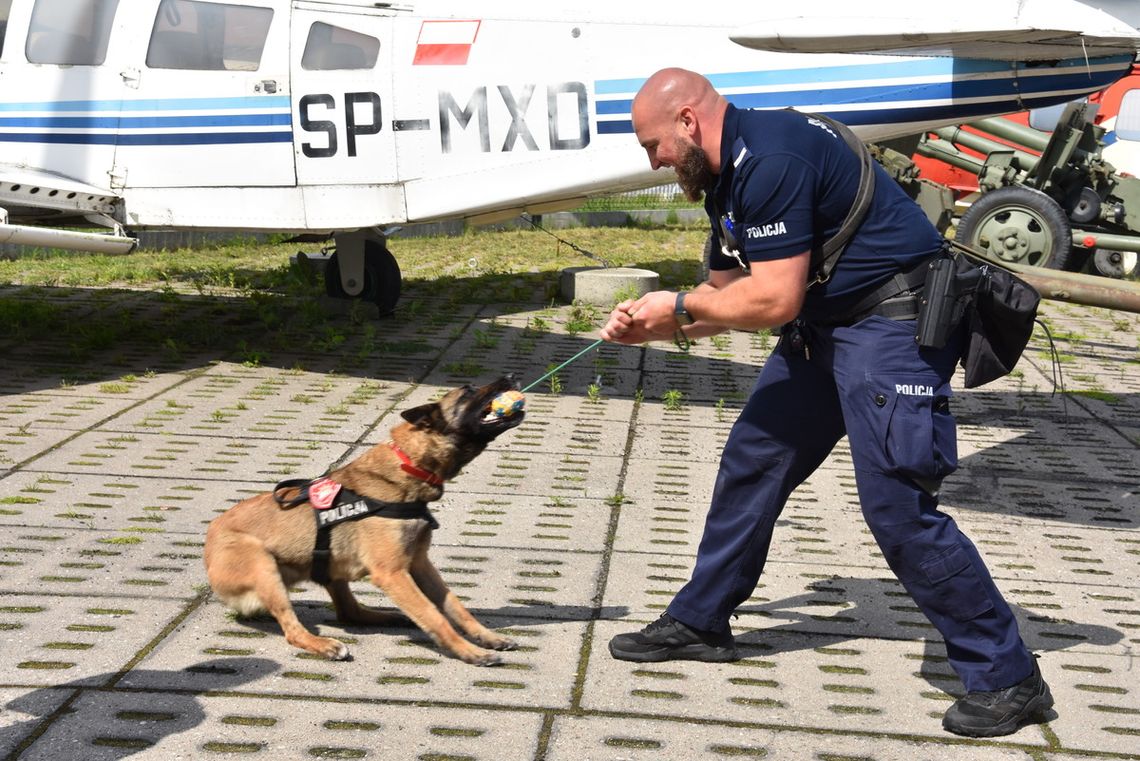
260 547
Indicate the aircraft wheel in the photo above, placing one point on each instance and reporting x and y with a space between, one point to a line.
1116 264
382 280
1019 225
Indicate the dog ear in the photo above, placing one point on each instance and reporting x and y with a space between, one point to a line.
422 416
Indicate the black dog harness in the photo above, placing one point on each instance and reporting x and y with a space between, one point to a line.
333 504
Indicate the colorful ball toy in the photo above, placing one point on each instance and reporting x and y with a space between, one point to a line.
508 403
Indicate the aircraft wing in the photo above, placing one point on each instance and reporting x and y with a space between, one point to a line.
1006 30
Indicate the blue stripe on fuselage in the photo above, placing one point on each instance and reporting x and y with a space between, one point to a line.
146 122
892 93
182 138
153 104
1023 88
943 112
269 111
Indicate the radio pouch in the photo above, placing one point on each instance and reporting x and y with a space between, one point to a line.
998 306
1000 323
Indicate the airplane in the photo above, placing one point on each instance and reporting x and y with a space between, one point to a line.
343 118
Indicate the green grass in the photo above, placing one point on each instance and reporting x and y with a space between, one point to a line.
246 298
242 265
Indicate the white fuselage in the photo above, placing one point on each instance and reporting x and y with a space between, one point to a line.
354 115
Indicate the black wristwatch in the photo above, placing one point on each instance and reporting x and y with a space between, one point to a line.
683 317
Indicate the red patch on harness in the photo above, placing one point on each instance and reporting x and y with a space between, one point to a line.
322 493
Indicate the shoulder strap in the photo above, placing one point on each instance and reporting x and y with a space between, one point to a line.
824 263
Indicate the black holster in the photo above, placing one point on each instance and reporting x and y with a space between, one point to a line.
950 284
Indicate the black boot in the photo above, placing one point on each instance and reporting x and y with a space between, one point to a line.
999 712
667 639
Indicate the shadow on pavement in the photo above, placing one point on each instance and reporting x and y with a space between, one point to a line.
115 723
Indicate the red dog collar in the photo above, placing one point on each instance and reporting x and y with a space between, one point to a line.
414 470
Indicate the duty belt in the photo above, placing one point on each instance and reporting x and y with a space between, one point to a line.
333 504
900 298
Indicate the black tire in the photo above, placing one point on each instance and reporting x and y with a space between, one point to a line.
382 279
1018 225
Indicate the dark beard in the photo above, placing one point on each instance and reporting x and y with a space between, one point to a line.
693 173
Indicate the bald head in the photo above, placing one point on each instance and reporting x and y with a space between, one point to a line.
678 117
669 90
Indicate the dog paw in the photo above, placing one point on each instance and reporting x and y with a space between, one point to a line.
333 649
483 658
501 643
492 640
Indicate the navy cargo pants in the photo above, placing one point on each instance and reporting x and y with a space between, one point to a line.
872 382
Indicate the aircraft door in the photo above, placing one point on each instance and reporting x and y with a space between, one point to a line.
59 86
207 101
342 96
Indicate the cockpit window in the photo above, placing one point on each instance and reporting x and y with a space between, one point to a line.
208 36
70 32
330 47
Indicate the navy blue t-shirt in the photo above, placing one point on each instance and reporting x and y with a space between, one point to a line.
787 183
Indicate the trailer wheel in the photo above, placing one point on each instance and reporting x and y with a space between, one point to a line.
382 279
1118 264
1019 225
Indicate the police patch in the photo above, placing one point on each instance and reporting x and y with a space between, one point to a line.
322 493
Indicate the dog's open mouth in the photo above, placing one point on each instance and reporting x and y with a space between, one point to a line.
503 408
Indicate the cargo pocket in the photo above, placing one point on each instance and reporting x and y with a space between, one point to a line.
958 592
914 424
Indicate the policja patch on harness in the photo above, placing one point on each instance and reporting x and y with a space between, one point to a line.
332 503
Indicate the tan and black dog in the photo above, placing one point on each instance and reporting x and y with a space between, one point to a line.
375 523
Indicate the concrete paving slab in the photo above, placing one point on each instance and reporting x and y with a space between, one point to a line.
62 411
52 641
19 445
208 457
632 739
266 403
1100 708
787 678
581 523
114 563
173 726
526 474
396 664
670 497
113 503
22 711
572 524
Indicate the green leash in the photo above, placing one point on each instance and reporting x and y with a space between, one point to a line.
589 348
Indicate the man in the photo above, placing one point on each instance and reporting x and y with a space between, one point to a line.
776 185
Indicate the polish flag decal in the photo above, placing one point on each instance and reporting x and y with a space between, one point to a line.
445 43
